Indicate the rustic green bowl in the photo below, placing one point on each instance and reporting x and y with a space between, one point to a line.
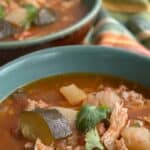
68 36
60 60
93 5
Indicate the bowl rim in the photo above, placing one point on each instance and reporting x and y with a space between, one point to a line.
56 35
70 49
63 50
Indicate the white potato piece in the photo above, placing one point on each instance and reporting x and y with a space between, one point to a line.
108 98
17 16
136 138
73 94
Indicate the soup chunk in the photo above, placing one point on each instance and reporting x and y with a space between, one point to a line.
34 18
76 112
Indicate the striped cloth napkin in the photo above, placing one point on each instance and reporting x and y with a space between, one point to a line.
127 5
131 33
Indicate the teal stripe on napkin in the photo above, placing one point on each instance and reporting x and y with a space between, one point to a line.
140 25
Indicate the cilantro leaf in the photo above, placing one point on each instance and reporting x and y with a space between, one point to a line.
89 116
92 140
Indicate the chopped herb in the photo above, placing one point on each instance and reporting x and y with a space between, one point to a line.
89 116
32 13
92 140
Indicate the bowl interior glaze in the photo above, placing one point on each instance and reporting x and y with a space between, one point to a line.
61 60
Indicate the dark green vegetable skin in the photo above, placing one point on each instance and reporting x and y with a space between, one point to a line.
7 29
89 116
57 124
47 125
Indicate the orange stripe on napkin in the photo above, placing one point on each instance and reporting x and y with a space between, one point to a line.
121 41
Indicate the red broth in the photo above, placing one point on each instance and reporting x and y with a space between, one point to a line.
67 13
47 89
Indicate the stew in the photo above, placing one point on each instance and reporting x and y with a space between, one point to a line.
76 112
24 19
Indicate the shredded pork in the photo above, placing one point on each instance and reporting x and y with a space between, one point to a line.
40 146
120 145
133 98
105 97
108 98
118 121
32 104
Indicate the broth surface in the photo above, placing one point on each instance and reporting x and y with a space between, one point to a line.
67 14
47 89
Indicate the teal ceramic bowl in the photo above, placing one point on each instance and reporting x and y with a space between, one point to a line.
62 60
93 9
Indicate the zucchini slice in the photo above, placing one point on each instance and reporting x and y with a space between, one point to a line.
48 125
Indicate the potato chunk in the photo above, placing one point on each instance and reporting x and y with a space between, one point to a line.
73 94
17 16
136 138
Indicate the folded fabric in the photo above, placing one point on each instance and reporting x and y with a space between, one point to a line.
110 32
140 25
121 16
127 5
106 24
